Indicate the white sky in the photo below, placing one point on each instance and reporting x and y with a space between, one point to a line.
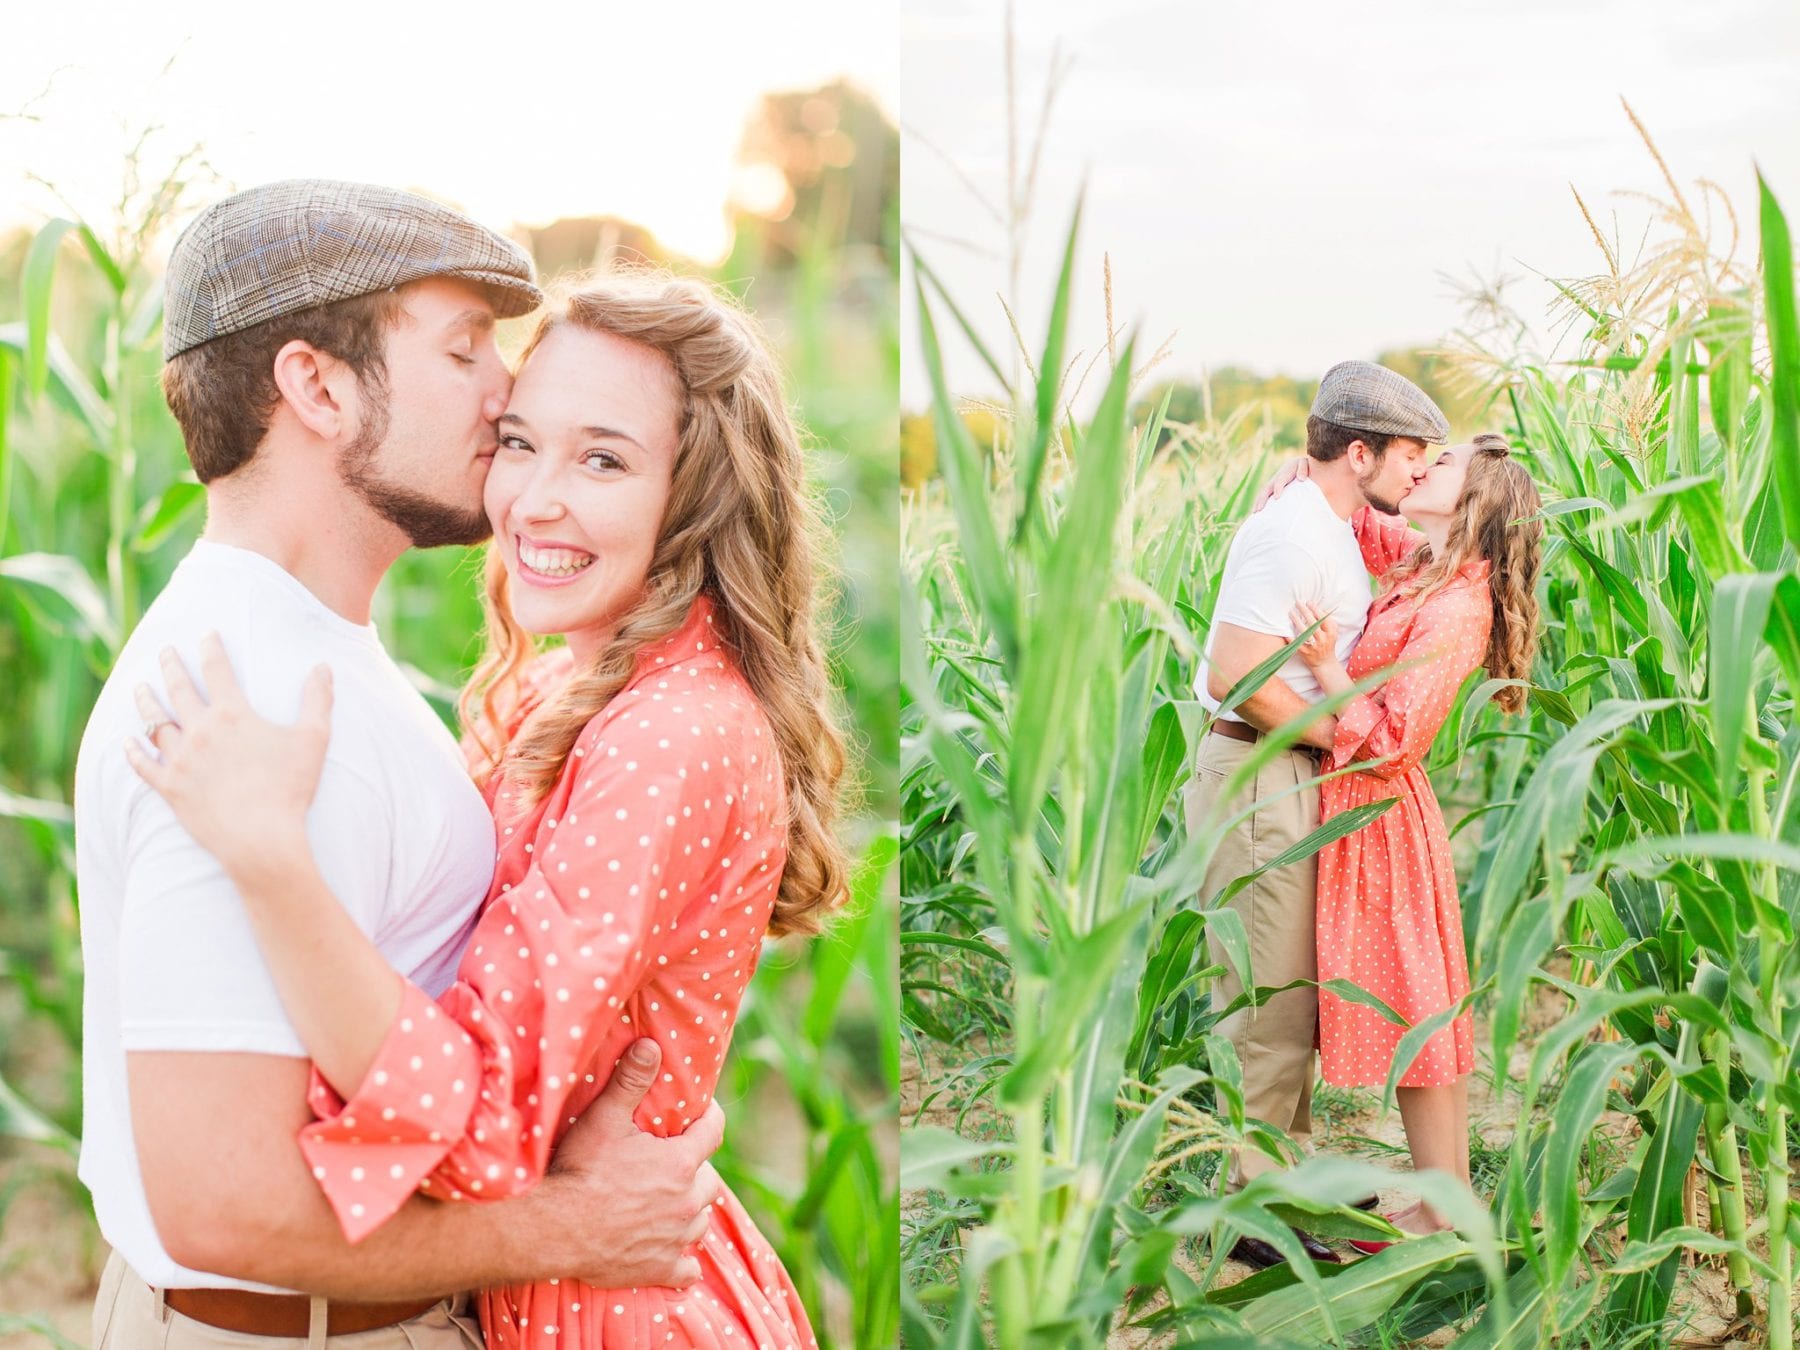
1284 183
519 112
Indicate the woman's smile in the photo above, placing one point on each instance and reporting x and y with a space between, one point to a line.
542 563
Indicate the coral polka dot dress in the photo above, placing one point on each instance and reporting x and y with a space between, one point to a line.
630 901
1388 916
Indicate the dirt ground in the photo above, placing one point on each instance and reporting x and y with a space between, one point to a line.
1703 1300
50 1252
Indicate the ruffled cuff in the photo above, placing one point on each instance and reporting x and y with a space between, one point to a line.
371 1153
1356 723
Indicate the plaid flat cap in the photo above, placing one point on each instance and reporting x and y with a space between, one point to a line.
1366 397
284 247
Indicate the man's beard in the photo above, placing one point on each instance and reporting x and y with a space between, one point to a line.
1387 507
427 523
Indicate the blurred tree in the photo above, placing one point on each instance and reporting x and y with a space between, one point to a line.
819 167
918 449
918 441
577 243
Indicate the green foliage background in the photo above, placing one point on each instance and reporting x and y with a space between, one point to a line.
97 505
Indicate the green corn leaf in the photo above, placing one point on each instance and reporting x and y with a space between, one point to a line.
1582 1100
77 594
35 285
1049 387
1784 355
166 514
962 321
932 1151
1061 646
1740 614
20 1120
967 478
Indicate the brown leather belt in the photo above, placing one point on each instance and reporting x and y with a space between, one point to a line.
1243 731
289 1315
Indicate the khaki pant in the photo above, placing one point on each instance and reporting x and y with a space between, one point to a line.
1274 1042
130 1315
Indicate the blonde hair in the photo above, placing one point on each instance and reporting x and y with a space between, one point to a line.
1497 519
741 528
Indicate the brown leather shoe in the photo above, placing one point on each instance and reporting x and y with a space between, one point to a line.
1260 1255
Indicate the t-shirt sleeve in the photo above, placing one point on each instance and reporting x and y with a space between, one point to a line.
1272 574
191 976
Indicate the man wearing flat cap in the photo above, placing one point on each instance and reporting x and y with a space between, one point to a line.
1366 442
332 364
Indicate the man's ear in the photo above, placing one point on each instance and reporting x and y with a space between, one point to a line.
314 387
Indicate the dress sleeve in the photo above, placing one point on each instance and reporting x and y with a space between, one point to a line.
1399 720
1383 539
465 1094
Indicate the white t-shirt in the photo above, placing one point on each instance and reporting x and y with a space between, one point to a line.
400 833
1296 548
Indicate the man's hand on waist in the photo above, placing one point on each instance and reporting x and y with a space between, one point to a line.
627 1205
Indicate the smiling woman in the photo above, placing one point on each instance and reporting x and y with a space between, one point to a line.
679 754
581 478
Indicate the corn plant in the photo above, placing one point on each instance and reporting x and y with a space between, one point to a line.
1634 860
1040 665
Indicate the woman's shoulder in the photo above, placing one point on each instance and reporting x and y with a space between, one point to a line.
1465 600
687 698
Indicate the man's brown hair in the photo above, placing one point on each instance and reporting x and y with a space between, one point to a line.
1326 441
223 391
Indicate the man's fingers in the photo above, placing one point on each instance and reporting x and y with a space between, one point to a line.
636 1071
184 699
687 1271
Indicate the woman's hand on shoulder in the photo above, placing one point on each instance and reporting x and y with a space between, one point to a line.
1296 470
238 783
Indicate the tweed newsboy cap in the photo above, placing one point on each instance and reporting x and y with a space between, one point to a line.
283 247
1366 397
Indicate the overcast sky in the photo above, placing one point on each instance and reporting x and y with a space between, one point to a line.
1283 184
519 112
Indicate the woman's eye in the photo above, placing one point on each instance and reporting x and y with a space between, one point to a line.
466 360
602 459
513 443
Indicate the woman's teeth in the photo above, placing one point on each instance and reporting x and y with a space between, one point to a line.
553 562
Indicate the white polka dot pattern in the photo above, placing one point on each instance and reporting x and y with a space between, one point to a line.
1388 916
631 901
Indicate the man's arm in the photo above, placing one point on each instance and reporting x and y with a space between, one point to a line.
230 1192
1235 653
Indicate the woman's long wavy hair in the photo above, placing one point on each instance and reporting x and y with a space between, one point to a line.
1496 518
741 528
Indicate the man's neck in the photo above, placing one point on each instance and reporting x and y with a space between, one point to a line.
1338 484
330 543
